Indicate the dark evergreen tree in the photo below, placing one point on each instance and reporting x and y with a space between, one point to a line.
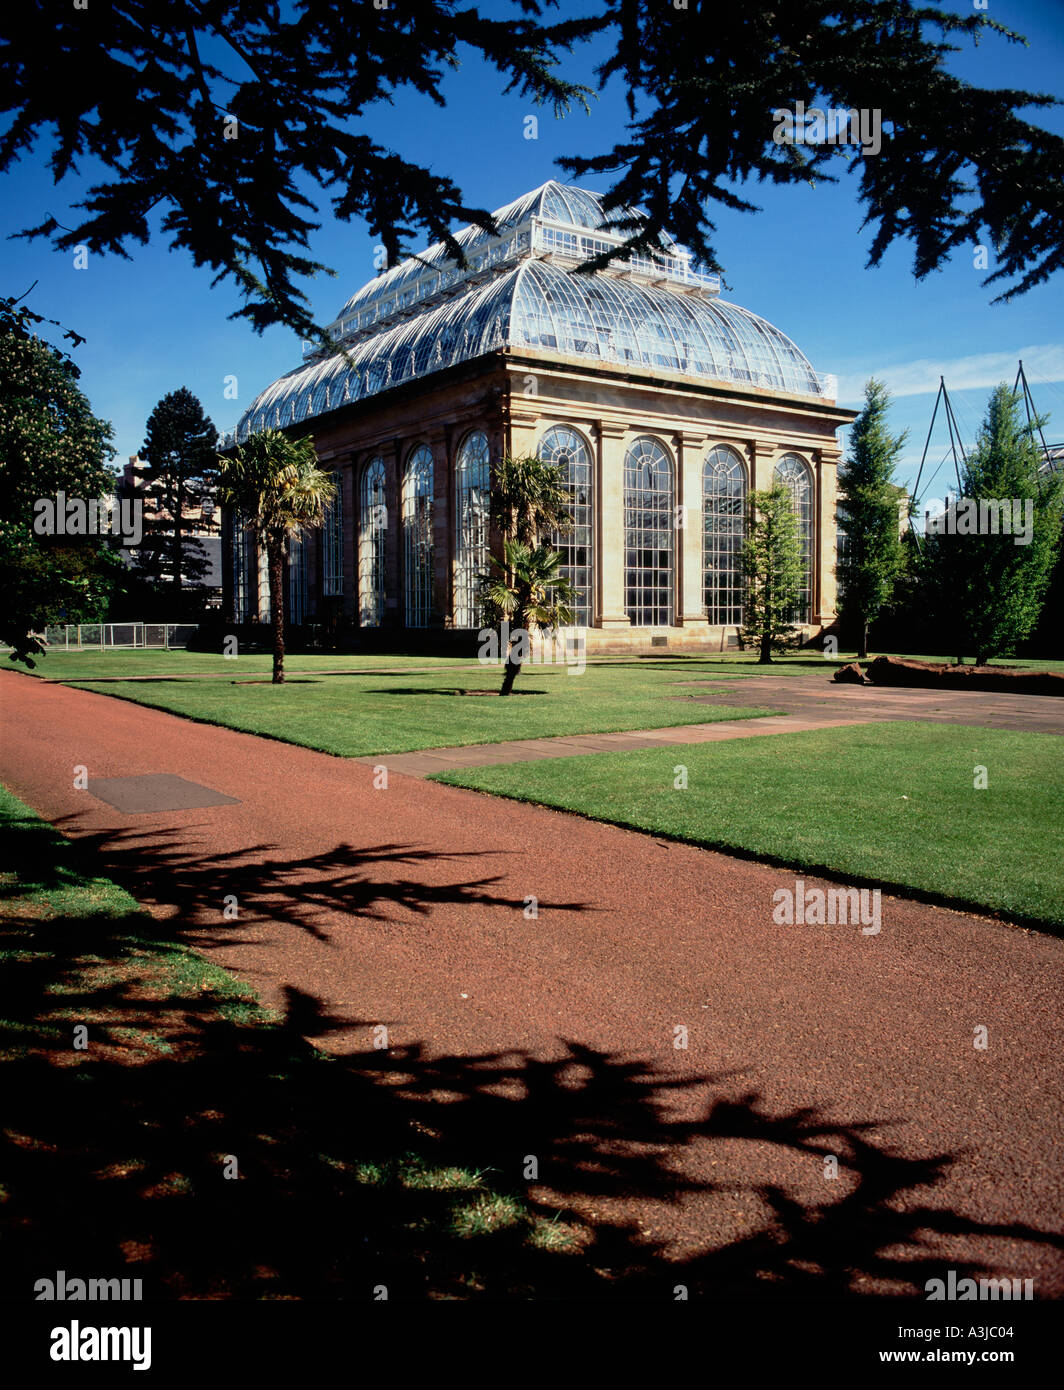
50 443
871 564
182 467
228 118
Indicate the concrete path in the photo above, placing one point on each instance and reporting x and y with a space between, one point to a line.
817 696
430 760
686 1070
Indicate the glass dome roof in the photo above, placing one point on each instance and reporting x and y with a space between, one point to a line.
427 314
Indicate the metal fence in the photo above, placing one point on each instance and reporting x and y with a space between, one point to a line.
78 637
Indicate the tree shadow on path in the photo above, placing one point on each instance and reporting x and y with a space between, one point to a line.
395 1167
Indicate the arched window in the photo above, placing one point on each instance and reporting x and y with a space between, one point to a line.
473 488
240 554
723 524
568 450
417 537
648 534
372 538
332 542
794 474
297 579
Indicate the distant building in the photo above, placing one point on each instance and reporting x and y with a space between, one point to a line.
664 406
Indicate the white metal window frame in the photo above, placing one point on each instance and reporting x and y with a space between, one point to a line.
796 475
649 533
472 513
372 544
724 486
418 501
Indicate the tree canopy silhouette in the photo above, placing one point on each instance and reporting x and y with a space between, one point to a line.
228 118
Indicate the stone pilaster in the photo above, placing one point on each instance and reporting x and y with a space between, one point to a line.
762 459
826 463
609 605
521 431
393 455
441 442
349 492
690 454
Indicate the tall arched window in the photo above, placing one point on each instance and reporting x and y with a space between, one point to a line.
241 559
417 537
568 450
473 489
332 542
723 524
297 579
794 474
648 534
372 538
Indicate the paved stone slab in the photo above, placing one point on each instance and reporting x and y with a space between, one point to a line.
431 760
159 791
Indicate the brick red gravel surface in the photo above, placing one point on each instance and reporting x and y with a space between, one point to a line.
406 906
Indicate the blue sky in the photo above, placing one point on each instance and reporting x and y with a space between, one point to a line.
154 323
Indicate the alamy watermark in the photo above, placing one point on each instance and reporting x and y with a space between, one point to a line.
566 648
74 516
77 1343
981 516
801 906
62 1289
954 1289
832 127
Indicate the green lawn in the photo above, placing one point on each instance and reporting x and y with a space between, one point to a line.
91 665
88 665
367 713
893 804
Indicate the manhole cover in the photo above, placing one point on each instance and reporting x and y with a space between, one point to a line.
156 791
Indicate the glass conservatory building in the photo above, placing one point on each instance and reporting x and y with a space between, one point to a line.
664 406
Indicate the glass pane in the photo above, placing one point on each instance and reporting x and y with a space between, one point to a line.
723 528
569 451
794 474
648 531
473 509
373 536
417 537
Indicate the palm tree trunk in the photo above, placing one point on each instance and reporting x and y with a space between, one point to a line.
513 668
275 556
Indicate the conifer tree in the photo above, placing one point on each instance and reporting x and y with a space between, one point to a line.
987 589
872 561
772 569
182 466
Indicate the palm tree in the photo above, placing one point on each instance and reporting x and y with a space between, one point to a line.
532 593
276 486
530 500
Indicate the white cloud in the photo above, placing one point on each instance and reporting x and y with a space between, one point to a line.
982 371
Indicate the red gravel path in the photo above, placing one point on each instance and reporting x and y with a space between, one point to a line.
404 906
